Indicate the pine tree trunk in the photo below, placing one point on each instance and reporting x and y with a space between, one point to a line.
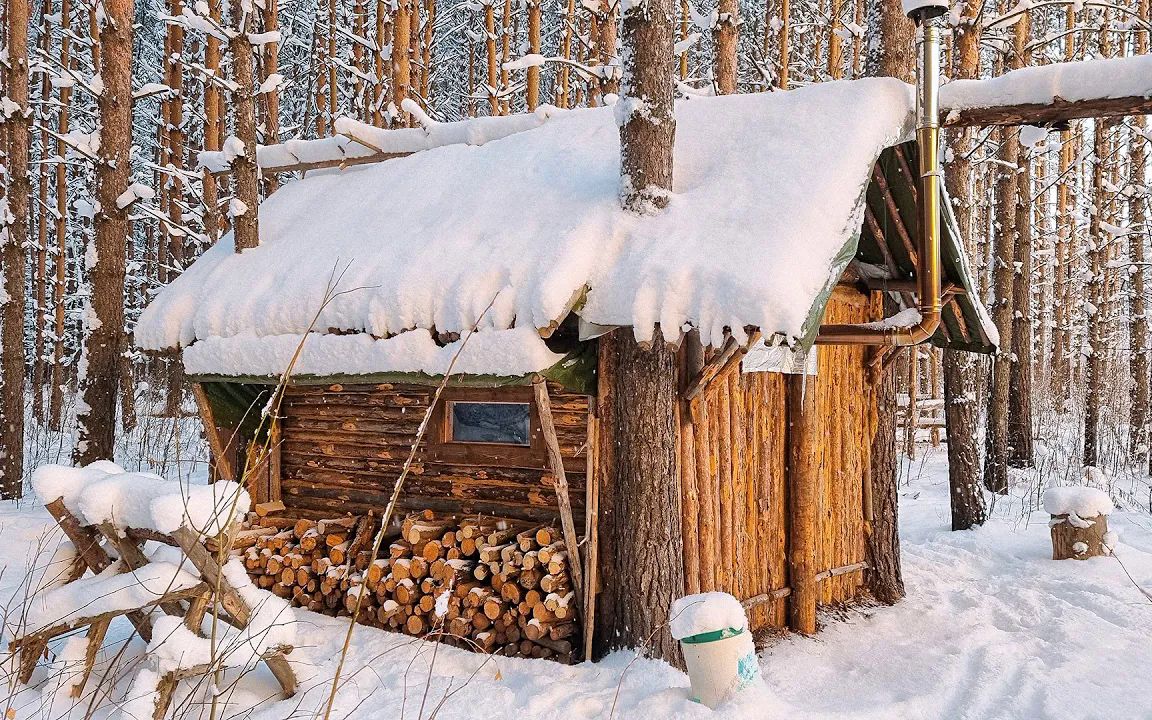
533 80
1020 452
244 168
646 118
60 265
961 369
13 239
1004 248
891 52
641 545
726 37
1094 370
1138 322
96 414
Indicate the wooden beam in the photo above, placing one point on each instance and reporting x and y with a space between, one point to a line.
730 353
591 531
556 463
894 213
802 481
219 449
343 162
87 544
1055 113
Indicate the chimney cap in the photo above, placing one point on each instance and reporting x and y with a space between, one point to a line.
918 9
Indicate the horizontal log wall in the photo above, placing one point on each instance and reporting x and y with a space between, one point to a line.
343 446
733 463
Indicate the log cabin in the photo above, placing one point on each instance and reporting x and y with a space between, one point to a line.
467 274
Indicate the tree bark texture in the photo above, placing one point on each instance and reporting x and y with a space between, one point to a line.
646 112
1094 367
1003 278
641 546
1020 453
13 240
100 363
961 369
891 52
726 37
244 169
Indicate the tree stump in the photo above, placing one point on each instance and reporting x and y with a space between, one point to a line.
1074 537
1079 522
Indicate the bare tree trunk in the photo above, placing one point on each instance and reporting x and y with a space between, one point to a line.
213 127
996 437
641 543
270 101
961 369
1137 319
891 52
1094 370
533 79
60 178
641 530
1060 376
96 414
13 240
1020 452
726 37
646 118
784 42
401 60
244 169
835 46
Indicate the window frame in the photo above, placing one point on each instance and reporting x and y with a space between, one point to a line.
449 429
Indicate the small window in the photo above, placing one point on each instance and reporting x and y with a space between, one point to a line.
488 422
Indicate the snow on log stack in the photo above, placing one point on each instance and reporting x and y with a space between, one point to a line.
492 585
1079 522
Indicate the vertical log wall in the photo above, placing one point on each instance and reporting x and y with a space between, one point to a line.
733 475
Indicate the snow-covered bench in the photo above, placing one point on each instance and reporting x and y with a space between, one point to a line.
108 515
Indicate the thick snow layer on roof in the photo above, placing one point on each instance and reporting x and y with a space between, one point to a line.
1072 81
497 352
767 193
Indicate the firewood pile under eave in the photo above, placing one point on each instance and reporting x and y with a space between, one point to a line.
477 582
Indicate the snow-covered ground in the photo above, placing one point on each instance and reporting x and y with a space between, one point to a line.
991 628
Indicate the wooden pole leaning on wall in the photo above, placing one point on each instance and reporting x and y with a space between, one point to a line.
556 461
802 499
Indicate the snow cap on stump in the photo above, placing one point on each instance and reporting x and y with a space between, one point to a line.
1081 501
1079 523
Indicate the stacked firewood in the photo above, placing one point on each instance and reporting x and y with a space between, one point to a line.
484 583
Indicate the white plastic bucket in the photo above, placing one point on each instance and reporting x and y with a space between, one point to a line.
720 664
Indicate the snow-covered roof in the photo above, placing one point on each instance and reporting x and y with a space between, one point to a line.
767 198
1079 81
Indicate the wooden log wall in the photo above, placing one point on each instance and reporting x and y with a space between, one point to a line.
343 446
845 409
733 475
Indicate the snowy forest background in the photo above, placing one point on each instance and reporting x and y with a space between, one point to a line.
1056 222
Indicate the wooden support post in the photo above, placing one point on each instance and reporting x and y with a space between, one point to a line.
556 462
231 600
87 544
802 499
224 468
591 532
96 633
